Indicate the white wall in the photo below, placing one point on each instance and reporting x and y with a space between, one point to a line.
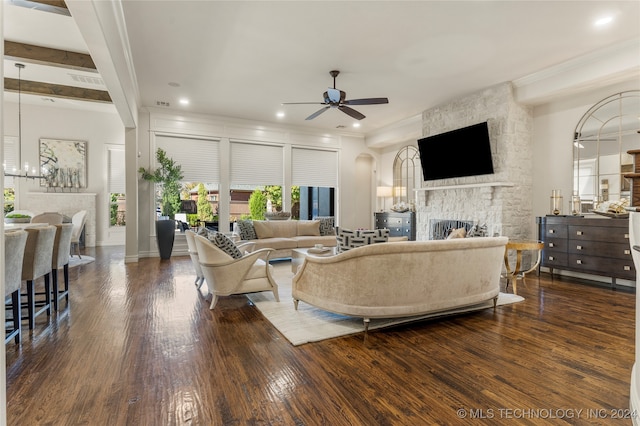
96 128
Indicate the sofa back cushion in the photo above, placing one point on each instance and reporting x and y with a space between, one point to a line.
275 228
349 239
309 227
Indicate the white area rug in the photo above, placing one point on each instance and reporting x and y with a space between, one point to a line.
310 324
75 261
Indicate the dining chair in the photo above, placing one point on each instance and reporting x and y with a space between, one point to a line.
193 253
37 263
52 218
226 276
14 244
60 259
78 220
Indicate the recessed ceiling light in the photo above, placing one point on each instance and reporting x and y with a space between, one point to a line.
280 114
184 101
356 124
601 22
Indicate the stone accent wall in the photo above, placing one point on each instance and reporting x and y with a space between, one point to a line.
506 210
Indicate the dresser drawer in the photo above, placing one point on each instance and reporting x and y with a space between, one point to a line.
601 249
619 268
598 233
556 244
553 259
553 231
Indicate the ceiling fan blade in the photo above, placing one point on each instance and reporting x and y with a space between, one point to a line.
351 112
317 113
302 103
367 101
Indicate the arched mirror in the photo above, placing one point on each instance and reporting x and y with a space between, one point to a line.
407 174
602 138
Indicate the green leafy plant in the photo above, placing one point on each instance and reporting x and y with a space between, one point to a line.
205 212
17 216
168 177
257 204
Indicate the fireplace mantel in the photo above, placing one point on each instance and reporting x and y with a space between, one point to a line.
464 186
66 203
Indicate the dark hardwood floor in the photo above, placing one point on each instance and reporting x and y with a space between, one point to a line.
137 345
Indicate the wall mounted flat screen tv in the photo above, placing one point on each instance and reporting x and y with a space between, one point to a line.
458 153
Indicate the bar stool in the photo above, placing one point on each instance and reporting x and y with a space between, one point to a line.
14 244
60 259
37 263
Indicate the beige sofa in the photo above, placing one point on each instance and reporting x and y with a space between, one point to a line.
285 235
403 279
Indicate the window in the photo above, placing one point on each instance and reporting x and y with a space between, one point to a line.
254 168
315 175
200 161
116 185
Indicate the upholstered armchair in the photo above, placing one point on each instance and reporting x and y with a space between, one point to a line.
78 220
226 276
52 218
193 253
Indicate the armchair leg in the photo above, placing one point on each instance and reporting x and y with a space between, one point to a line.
295 304
214 300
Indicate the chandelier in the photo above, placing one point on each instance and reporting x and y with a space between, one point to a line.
21 173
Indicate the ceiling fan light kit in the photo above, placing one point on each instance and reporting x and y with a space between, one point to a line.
335 98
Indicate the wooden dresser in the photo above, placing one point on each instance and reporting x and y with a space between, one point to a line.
398 224
591 245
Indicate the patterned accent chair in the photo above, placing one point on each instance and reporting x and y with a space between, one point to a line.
226 276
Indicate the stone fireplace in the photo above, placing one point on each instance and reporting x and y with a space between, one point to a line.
501 201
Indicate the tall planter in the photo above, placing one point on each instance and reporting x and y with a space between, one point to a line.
165 235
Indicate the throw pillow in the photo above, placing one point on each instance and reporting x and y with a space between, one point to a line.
348 239
247 231
225 244
457 233
327 225
308 227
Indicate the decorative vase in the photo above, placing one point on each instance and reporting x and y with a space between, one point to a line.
165 235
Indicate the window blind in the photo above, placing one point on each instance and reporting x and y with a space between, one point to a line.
10 160
314 167
116 171
199 158
256 164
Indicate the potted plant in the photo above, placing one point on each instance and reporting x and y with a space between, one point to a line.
167 176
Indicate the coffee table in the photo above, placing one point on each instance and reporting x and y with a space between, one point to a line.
298 256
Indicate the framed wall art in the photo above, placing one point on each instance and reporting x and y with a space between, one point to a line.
64 163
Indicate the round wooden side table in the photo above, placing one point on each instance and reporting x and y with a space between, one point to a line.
519 247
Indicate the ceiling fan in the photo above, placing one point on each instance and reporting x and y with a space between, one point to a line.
335 98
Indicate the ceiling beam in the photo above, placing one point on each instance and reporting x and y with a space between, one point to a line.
48 56
56 90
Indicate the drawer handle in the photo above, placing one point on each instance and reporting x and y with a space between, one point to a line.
551 258
627 252
579 247
579 262
626 236
551 245
578 232
552 231
626 268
